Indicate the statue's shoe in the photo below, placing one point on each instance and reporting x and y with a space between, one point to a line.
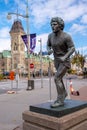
59 101
57 104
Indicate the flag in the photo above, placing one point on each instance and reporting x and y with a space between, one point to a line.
25 40
32 41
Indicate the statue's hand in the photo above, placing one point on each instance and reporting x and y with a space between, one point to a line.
62 59
50 52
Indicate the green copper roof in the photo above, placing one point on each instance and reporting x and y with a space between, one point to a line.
6 54
0 55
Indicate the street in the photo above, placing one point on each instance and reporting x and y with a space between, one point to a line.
13 105
8 85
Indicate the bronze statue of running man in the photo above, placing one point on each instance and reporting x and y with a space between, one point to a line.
61 45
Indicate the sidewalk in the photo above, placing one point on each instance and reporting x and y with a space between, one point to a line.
13 105
82 96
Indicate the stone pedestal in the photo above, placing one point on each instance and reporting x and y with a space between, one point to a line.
67 121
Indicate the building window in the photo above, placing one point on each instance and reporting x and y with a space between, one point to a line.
3 64
15 47
15 66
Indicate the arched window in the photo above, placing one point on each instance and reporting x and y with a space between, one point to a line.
15 47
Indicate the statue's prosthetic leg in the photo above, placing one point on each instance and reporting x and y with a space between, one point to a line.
61 91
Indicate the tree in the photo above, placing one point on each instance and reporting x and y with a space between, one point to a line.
78 59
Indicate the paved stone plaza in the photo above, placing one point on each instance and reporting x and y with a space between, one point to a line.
13 105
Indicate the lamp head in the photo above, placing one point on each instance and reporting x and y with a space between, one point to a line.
9 16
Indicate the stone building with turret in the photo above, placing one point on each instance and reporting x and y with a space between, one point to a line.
17 58
17 45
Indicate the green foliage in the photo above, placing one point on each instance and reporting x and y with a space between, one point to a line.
71 71
1 77
78 59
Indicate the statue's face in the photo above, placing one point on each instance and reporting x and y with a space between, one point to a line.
55 27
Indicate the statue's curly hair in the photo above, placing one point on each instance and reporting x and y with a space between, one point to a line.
59 21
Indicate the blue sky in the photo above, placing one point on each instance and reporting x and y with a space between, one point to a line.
73 12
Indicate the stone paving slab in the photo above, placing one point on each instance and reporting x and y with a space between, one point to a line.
82 96
19 127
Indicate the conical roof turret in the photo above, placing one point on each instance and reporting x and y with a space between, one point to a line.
17 27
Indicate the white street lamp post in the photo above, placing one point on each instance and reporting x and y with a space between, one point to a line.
28 36
41 71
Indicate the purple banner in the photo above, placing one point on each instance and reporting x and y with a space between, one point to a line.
24 38
32 41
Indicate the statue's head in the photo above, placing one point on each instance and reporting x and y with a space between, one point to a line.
59 21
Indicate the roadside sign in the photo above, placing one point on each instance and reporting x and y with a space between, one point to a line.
12 75
31 65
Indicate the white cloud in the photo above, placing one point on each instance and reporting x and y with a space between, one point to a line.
82 50
84 19
69 10
75 11
4 32
77 28
4 39
4 44
41 12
